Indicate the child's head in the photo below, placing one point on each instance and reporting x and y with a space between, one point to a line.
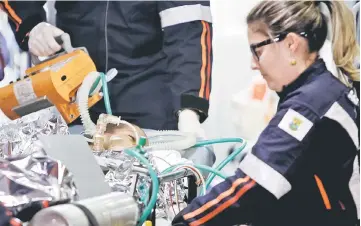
119 137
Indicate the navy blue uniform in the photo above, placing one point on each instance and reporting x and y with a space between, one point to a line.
299 170
161 49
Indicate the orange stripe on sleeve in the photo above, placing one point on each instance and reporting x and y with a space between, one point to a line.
45 204
204 59
225 205
323 192
209 45
15 222
219 198
13 15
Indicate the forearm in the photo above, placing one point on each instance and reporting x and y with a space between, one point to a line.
237 200
193 64
188 46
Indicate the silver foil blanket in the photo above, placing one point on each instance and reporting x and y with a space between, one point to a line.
34 178
20 136
27 175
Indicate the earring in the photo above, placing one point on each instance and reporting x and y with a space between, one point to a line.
293 62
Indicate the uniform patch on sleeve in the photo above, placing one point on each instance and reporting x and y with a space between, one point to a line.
295 124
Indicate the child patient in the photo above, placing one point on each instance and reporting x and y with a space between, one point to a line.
119 137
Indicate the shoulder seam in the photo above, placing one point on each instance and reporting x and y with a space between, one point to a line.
307 106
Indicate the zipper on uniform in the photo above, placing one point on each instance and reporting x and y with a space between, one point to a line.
106 36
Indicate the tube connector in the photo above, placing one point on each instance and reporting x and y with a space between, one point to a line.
104 120
101 127
98 145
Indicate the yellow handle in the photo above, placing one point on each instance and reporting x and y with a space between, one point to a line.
148 223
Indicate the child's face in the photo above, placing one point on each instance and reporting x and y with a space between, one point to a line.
120 137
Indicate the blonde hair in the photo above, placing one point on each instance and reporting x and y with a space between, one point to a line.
305 16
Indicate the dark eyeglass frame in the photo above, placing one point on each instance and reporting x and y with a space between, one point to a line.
277 38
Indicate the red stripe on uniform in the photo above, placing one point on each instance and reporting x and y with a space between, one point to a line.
225 205
218 199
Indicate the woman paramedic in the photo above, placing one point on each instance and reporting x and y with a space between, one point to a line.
299 170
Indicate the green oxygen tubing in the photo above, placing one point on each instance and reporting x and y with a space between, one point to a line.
154 178
221 165
91 85
155 184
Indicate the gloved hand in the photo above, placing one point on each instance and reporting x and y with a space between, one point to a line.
188 122
42 41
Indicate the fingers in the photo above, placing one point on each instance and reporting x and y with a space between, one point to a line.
56 31
36 48
42 40
51 46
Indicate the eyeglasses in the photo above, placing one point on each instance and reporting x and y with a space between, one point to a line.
277 38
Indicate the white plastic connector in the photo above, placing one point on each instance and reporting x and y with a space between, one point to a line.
108 76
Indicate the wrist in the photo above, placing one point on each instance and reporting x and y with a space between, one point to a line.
197 104
188 114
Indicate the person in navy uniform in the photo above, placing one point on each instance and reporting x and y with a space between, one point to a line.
161 49
298 171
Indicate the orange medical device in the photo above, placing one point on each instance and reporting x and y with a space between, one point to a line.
52 82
